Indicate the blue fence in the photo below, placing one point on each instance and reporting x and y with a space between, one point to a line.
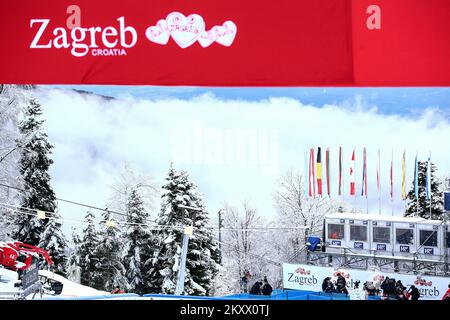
276 295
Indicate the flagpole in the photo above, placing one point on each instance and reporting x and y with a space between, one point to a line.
365 180
416 185
379 184
392 181
429 163
342 176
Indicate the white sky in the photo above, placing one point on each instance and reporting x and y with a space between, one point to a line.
233 149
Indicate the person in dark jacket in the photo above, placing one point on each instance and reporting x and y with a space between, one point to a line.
267 288
414 293
401 290
341 284
389 290
327 285
256 288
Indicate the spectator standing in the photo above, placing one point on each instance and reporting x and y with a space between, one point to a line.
341 284
267 288
256 288
414 293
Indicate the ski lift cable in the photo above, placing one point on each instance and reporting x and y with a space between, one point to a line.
150 227
151 220
18 209
144 224
75 203
24 210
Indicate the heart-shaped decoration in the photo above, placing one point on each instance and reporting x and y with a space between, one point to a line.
159 33
225 33
185 30
206 38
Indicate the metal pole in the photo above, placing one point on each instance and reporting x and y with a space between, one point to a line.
446 224
182 271
379 183
220 233
182 266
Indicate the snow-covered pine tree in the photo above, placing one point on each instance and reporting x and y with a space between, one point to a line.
110 270
88 246
137 246
12 103
34 166
203 252
54 241
73 263
437 196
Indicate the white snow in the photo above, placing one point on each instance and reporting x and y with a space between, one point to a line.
72 289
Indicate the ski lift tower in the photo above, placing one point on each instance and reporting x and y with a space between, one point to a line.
182 267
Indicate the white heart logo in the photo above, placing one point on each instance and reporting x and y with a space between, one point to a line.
206 38
159 33
185 30
225 33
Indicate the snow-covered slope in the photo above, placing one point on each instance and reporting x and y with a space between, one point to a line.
7 280
72 289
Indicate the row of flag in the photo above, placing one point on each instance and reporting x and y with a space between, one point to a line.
315 178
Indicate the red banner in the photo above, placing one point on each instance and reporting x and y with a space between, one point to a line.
226 43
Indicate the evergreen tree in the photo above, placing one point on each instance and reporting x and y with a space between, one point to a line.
34 166
110 272
54 241
73 263
203 253
88 246
437 197
137 243
13 102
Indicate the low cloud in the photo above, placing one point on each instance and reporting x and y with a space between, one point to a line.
233 149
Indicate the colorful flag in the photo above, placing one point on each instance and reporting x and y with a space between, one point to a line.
319 171
327 164
392 175
364 175
352 175
416 179
403 175
305 158
340 172
311 175
378 175
428 185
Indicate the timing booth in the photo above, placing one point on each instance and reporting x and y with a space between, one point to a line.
384 235
430 239
404 237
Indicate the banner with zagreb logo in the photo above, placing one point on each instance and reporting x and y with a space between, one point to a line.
310 278
226 42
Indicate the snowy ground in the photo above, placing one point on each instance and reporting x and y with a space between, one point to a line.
70 289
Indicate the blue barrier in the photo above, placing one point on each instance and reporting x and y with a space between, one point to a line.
277 295
106 296
302 297
317 297
157 296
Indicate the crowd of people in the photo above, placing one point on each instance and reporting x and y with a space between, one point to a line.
259 287
389 289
